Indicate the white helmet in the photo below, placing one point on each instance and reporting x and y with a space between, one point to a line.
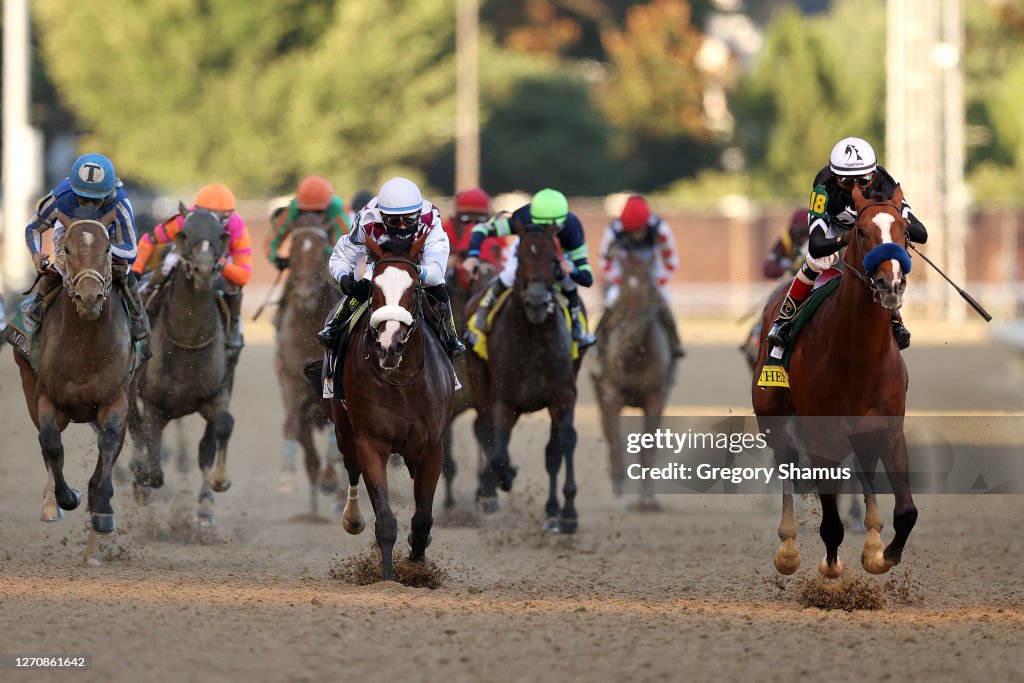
399 196
852 156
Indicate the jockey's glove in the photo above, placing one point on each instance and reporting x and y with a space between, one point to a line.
281 262
357 289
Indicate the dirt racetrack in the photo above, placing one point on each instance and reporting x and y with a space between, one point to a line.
689 593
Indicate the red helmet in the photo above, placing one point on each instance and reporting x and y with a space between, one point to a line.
315 194
473 201
635 214
798 227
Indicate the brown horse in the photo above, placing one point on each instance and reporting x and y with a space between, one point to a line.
189 370
309 295
85 363
635 363
400 384
530 367
845 362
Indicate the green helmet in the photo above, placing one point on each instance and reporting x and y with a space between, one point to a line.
549 206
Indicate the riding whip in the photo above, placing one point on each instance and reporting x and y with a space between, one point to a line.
270 291
967 297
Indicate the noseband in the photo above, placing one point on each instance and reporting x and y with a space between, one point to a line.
73 281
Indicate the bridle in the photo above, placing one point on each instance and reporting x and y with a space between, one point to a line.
74 280
416 314
864 277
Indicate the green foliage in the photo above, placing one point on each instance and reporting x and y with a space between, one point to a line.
256 94
818 80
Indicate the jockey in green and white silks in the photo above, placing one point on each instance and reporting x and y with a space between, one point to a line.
831 214
548 207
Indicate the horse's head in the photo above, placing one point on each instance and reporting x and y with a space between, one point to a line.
202 243
308 257
637 268
537 270
877 244
87 261
396 296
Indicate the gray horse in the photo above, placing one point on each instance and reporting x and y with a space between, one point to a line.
635 363
189 371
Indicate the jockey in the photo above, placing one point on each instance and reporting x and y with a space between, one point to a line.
637 228
314 197
831 215
548 207
397 212
788 254
238 269
472 206
91 185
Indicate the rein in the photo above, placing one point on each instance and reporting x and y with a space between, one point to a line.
863 277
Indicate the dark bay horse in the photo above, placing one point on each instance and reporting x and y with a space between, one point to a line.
635 366
529 368
189 370
463 401
310 294
400 385
845 363
85 363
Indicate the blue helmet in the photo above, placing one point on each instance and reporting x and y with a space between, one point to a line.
92 175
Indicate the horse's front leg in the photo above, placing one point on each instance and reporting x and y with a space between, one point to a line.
352 517
112 423
561 446
904 514
312 461
831 531
147 467
217 416
654 406
51 423
499 471
787 557
611 401
424 485
373 457
448 468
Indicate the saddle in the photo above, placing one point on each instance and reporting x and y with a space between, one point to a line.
775 372
480 347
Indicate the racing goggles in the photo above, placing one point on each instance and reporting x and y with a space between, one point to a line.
403 220
863 181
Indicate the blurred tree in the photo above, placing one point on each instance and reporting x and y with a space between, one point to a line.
181 92
817 80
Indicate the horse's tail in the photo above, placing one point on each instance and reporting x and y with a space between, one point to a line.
313 372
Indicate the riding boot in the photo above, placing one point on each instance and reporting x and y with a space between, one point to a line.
335 325
48 289
580 335
128 283
799 290
669 324
235 340
899 331
484 308
446 331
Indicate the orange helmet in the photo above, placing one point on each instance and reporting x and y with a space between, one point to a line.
216 197
315 194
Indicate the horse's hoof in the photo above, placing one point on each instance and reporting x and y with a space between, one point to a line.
551 525
76 499
507 477
92 561
833 571
220 485
568 526
354 528
103 523
489 504
787 558
54 516
206 520
430 537
875 563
